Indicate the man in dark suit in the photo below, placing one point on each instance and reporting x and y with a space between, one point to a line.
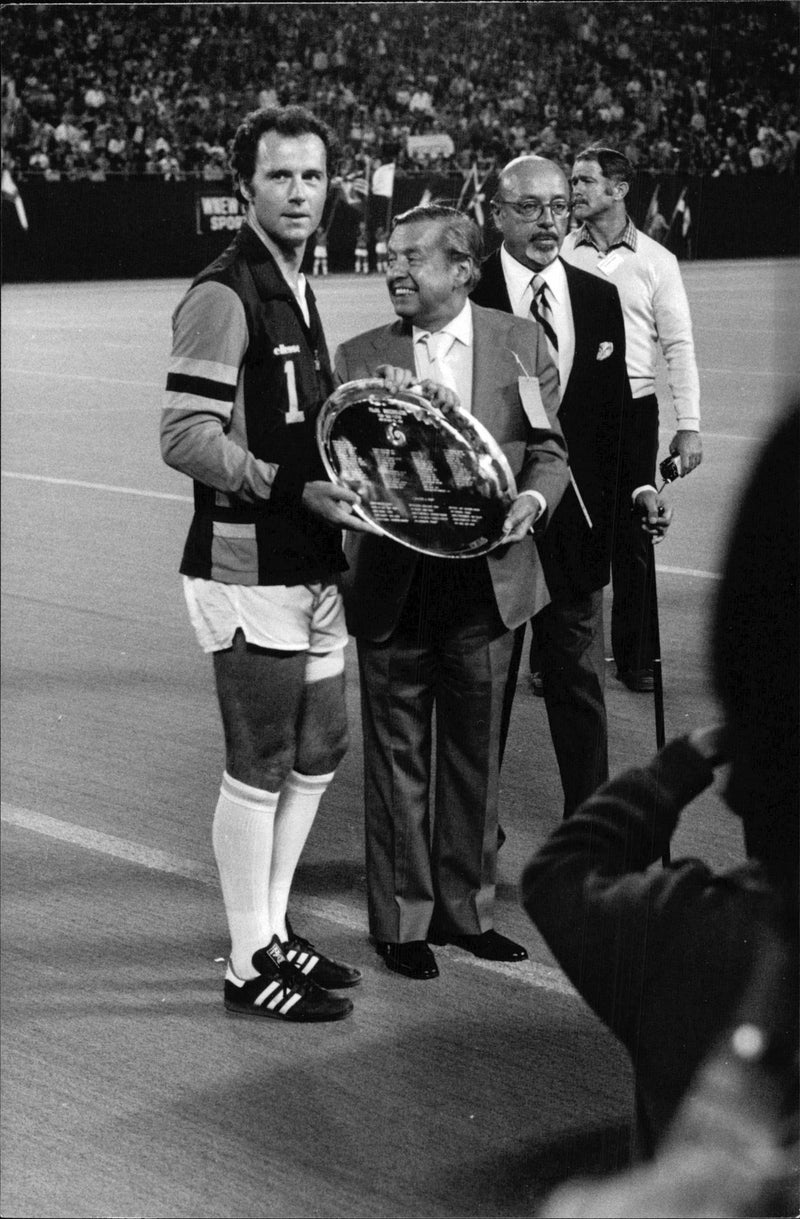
436 634
581 318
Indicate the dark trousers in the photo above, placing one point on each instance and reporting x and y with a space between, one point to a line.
446 663
567 648
631 615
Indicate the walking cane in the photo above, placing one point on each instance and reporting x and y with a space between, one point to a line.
669 472
655 637
651 594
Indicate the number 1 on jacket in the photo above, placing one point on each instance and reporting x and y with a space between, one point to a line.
294 414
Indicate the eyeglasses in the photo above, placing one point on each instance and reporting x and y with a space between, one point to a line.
532 209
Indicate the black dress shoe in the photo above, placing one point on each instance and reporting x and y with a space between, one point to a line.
490 946
413 959
638 680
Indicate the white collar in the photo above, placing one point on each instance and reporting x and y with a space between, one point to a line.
556 279
460 327
518 277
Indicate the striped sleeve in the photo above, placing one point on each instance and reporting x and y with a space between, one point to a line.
209 341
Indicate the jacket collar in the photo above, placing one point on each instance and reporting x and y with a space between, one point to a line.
627 237
270 282
395 345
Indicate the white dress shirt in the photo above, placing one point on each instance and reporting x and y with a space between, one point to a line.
519 283
452 363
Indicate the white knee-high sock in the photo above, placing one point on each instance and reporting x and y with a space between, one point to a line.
297 807
242 835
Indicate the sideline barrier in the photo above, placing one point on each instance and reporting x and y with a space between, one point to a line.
148 228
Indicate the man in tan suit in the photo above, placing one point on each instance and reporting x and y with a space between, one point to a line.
437 633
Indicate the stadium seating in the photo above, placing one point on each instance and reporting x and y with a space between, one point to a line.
91 91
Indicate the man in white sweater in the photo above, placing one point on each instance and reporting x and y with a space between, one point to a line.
656 315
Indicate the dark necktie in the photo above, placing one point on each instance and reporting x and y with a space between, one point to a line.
540 310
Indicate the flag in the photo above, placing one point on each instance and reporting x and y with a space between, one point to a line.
652 211
472 195
355 188
687 218
383 181
10 191
682 210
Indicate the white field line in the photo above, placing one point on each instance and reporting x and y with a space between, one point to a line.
80 376
83 412
542 977
76 482
689 571
187 499
670 431
772 373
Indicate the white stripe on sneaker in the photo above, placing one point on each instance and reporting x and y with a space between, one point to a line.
303 961
269 990
294 997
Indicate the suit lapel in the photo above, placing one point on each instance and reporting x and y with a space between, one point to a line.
577 301
492 290
580 305
396 346
486 368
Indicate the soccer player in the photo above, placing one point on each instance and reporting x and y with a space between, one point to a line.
248 373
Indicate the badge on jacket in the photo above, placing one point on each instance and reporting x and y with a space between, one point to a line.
531 398
604 351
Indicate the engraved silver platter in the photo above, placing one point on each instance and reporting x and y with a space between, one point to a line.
436 482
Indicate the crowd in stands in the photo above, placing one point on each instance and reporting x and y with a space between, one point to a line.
95 90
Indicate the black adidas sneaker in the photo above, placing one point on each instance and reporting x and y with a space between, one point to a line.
280 992
327 973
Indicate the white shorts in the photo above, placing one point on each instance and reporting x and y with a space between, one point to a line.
303 618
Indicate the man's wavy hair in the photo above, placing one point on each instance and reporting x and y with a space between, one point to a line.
291 121
461 237
613 165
